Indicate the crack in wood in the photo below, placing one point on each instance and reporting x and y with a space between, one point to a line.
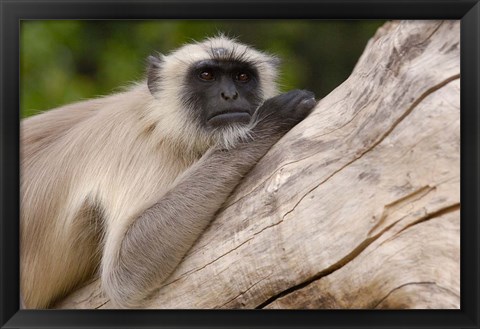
402 286
243 292
414 283
101 305
424 218
354 253
211 262
398 204
223 255
438 213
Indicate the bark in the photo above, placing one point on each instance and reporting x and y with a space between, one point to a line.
357 207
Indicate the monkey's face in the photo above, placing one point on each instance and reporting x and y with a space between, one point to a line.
210 90
221 93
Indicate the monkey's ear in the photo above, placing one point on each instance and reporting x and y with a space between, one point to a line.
153 73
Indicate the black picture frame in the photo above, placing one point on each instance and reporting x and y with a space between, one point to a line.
13 11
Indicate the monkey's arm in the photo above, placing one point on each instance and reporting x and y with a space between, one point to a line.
149 251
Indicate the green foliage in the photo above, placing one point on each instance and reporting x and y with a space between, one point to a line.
67 61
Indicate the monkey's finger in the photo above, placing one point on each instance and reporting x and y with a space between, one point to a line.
305 107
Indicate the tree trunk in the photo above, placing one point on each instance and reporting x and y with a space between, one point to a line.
357 207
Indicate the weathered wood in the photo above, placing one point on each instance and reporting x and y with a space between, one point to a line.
357 207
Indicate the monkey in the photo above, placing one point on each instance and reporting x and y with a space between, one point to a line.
121 186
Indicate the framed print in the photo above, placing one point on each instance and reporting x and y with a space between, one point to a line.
243 164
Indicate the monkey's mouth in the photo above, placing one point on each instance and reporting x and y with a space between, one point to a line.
230 116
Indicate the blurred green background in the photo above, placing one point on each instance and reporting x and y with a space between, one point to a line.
67 61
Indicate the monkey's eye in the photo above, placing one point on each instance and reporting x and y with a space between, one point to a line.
206 75
242 77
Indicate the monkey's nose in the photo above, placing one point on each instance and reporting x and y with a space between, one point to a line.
229 95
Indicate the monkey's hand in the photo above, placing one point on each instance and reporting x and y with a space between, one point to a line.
272 120
279 114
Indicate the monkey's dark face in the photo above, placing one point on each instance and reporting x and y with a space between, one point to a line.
222 92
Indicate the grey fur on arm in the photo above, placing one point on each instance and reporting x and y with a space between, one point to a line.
158 239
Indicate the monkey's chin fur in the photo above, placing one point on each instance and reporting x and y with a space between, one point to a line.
229 135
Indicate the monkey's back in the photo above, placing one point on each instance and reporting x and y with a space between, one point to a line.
75 160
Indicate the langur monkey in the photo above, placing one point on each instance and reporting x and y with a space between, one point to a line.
123 185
